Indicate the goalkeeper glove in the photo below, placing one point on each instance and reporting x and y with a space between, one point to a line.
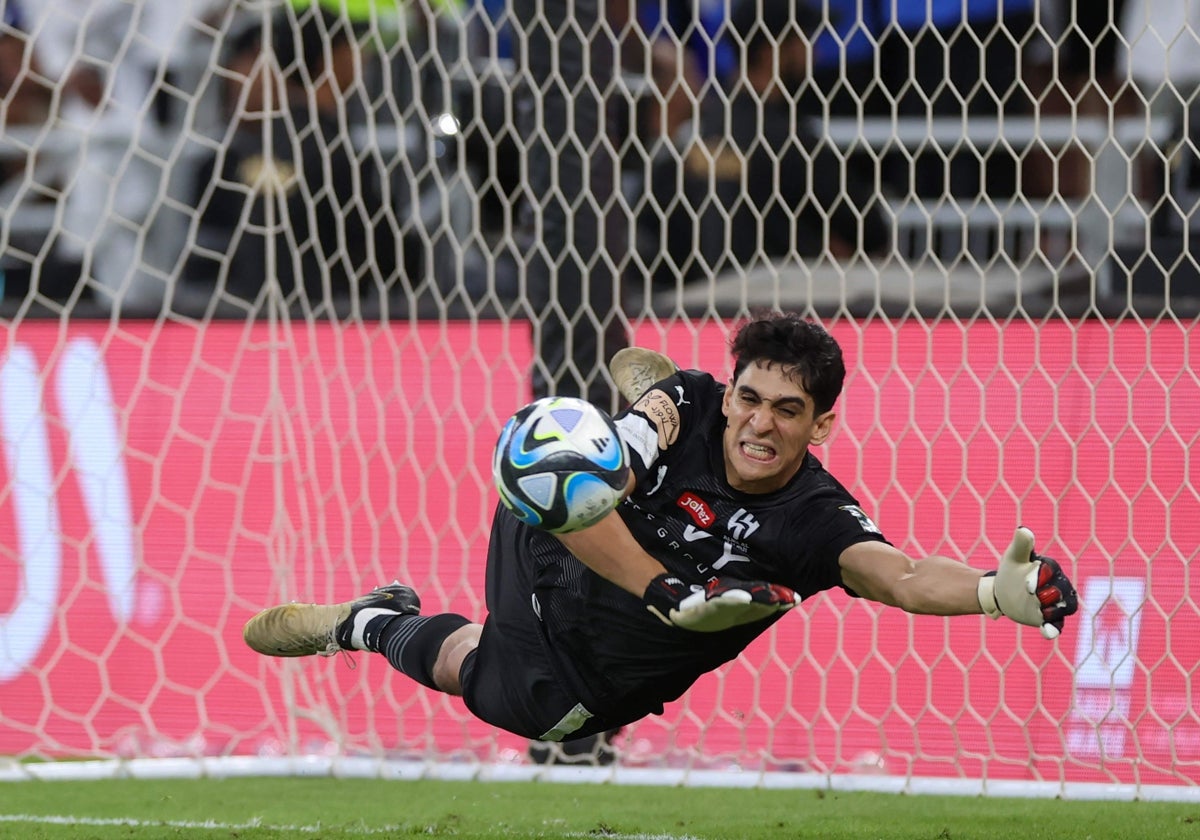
718 605
1028 588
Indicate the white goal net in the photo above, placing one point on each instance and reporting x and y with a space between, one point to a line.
275 273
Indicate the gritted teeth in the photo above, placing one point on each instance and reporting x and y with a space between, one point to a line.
757 450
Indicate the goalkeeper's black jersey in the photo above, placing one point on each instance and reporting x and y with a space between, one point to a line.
685 513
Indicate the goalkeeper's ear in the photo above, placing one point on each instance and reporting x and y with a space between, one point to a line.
822 427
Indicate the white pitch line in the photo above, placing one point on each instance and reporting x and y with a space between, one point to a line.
213 825
592 835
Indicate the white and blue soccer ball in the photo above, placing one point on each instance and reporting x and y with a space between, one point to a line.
560 465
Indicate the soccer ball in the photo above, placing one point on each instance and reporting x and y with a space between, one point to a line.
560 465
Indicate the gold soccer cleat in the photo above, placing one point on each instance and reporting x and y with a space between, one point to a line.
321 629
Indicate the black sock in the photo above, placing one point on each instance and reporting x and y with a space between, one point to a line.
412 643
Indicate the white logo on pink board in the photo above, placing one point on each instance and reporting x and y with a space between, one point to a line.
1105 665
95 453
1106 647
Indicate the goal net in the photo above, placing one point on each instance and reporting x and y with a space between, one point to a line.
276 272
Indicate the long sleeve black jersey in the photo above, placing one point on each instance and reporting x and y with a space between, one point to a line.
685 513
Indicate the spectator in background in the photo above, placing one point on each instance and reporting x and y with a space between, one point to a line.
433 74
696 26
500 27
113 65
415 81
1090 48
572 237
24 100
319 249
24 105
675 54
1162 59
1092 58
419 45
966 58
375 26
758 182
844 57
676 83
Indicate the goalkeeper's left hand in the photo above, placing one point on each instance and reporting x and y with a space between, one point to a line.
718 605
1028 588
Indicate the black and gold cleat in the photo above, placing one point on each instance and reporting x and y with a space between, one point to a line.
322 629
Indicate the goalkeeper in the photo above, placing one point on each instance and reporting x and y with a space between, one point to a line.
728 522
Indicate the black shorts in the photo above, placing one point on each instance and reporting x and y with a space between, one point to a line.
511 679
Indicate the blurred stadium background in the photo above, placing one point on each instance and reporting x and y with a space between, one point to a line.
275 272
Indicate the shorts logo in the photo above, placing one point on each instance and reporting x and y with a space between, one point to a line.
697 509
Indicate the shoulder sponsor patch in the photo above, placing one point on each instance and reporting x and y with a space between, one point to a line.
639 435
865 521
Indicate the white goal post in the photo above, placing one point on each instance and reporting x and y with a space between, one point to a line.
276 271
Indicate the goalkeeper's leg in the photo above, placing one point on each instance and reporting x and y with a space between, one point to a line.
429 649
502 674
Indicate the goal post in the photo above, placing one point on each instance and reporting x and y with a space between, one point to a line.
275 273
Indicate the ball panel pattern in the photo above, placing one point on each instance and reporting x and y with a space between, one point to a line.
559 464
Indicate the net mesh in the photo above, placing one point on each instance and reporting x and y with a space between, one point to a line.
275 273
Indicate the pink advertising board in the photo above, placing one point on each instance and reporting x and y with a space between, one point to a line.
162 482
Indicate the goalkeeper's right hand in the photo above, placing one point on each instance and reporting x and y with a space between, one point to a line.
718 605
1028 588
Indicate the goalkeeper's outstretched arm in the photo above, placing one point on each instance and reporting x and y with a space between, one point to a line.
1026 587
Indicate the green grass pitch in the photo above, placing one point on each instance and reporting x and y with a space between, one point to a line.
258 808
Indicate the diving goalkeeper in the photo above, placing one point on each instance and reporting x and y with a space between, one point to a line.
729 521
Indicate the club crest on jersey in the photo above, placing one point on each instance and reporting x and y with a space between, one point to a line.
697 508
742 524
865 521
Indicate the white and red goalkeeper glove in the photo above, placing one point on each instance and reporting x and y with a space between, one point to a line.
718 605
1028 588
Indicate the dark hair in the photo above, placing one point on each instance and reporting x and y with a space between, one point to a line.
803 349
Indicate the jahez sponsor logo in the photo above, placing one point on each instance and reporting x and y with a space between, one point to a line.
697 509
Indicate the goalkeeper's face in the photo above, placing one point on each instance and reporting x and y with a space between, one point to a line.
771 424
